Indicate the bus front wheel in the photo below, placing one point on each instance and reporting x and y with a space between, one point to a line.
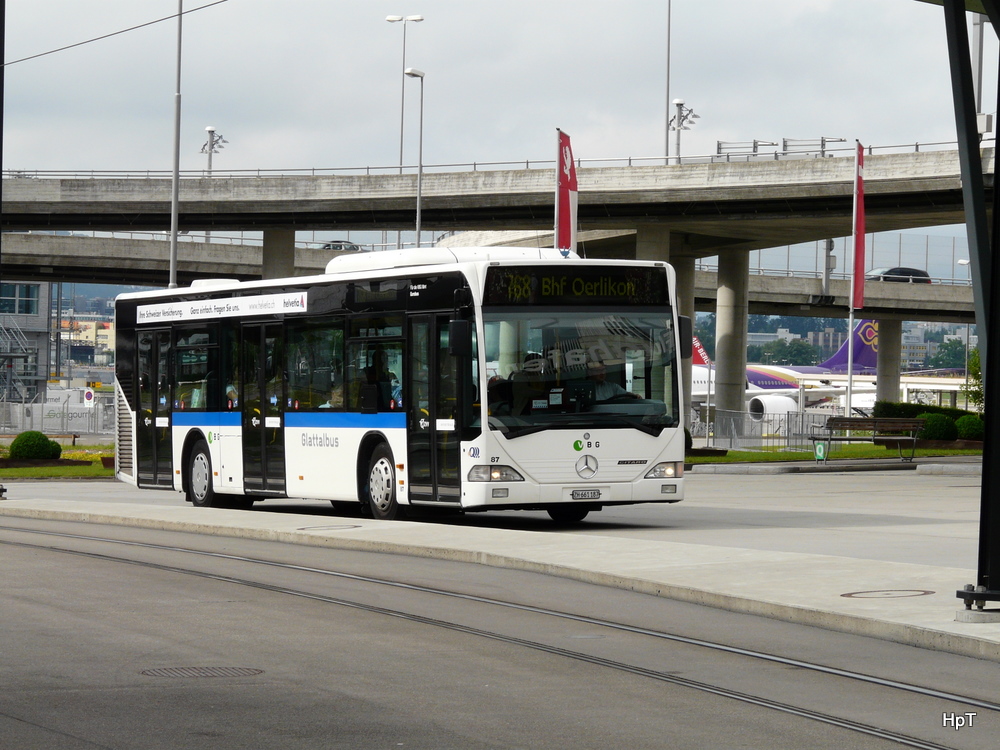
381 487
199 478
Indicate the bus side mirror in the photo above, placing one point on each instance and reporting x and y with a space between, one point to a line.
460 338
686 332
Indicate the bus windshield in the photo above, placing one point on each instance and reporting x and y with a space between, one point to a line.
576 369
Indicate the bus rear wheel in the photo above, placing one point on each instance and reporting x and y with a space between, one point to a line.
380 491
568 513
199 477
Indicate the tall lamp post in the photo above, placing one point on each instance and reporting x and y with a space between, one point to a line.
175 181
402 94
212 146
666 148
414 73
679 122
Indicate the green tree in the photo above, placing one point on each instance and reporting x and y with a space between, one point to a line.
801 352
974 391
760 324
950 355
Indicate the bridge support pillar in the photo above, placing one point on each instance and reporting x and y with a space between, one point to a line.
731 318
278 257
890 347
652 242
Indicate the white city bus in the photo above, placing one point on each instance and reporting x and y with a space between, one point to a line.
462 379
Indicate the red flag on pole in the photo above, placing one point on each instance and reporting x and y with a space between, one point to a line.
858 284
566 197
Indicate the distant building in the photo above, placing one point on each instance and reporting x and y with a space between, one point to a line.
914 350
759 339
828 341
24 340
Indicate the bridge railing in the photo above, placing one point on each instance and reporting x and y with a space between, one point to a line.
395 169
938 255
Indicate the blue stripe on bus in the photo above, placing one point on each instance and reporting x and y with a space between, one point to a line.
382 420
206 418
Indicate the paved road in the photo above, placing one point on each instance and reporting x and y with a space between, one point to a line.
136 646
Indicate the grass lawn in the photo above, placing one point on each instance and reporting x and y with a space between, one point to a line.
841 452
78 453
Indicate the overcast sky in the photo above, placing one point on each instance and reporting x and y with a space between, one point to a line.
316 83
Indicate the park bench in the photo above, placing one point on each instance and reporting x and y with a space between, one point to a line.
888 431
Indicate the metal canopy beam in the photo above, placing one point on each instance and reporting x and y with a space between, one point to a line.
986 288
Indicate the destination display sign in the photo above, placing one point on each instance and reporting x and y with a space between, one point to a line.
569 285
229 307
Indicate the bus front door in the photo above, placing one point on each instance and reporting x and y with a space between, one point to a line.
433 413
153 432
263 409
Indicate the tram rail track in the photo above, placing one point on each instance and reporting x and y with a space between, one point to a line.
581 656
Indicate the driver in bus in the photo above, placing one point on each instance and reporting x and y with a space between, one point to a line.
604 390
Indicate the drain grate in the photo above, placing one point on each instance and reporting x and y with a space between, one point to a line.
202 672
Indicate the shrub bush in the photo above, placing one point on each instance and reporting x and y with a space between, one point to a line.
937 427
970 427
33 444
908 411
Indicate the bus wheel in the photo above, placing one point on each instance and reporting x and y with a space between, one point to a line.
381 488
199 478
568 513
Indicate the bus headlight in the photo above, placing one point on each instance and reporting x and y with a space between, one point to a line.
666 470
494 473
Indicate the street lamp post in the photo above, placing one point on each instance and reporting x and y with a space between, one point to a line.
175 181
666 148
414 73
679 122
212 146
402 95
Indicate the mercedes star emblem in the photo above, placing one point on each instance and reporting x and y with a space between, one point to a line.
586 467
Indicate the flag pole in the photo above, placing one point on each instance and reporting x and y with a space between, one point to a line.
858 272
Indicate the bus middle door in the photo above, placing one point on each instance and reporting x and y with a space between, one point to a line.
433 423
263 410
153 427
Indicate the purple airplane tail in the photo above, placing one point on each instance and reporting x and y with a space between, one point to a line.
865 350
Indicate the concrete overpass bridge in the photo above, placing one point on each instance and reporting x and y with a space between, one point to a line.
141 258
676 212
706 208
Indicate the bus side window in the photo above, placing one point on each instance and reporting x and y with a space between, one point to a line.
315 365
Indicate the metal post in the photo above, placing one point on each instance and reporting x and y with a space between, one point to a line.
414 73
678 123
175 183
986 287
666 152
402 98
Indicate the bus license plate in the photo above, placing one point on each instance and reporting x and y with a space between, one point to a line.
586 494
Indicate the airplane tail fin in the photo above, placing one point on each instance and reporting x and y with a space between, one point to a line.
698 354
865 349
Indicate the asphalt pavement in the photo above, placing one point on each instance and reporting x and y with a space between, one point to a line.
903 602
